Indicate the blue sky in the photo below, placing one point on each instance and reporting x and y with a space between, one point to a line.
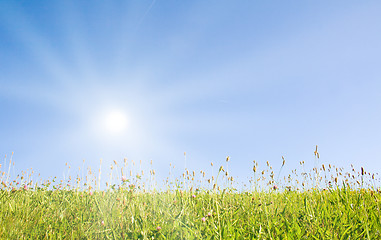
255 80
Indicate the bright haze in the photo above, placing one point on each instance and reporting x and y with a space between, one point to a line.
150 80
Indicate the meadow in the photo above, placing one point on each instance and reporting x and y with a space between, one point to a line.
324 203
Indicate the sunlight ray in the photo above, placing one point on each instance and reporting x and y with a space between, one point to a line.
41 48
73 28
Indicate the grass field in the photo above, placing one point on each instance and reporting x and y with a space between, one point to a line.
322 204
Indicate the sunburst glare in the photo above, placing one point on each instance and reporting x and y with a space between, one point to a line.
115 122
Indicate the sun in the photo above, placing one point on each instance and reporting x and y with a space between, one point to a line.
115 122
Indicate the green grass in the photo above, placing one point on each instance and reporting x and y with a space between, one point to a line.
314 214
313 207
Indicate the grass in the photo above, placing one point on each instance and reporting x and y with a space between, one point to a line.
322 204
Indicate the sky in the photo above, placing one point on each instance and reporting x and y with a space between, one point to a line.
150 80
